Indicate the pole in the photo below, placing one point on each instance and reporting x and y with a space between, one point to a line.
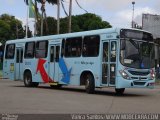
35 28
58 16
70 16
42 24
133 3
45 16
36 18
27 21
43 10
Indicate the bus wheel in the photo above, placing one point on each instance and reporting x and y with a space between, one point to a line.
28 80
119 91
89 84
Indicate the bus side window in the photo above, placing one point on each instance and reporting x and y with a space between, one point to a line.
57 53
29 50
73 47
91 46
54 58
41 49
63 49
105 52
10 51
113 51
52 54
19 56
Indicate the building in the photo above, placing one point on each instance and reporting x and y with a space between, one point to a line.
151 23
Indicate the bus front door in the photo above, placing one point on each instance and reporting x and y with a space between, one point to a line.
19 64
109 63
53 62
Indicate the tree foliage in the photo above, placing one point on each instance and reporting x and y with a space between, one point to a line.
49 1
10 28
82 22
51 27
87 22
52 1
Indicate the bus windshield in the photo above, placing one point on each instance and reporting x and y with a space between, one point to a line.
137 54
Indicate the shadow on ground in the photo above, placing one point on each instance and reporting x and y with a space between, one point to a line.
104 92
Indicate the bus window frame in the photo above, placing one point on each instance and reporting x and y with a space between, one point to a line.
84 47
63 47
6 53
34 47
46 49
79 38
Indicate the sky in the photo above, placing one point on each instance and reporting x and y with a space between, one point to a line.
117 12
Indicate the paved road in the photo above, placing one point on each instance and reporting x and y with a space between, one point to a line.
15 98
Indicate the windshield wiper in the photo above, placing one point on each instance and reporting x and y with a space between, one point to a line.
134 44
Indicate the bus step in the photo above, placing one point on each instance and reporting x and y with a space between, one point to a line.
53 83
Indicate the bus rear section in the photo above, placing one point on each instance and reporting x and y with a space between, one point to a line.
13 61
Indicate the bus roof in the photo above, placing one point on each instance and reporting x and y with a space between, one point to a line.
67 35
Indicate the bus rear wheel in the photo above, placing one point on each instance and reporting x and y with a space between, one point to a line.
89 84
119 91
28 80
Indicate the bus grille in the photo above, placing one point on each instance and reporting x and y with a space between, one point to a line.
139 78
139 73
139 83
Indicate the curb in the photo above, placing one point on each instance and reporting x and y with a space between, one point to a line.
1 78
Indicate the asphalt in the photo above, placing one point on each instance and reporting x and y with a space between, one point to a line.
15 98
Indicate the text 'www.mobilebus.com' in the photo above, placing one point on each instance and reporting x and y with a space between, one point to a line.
115 116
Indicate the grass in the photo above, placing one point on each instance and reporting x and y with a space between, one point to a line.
158 81
0 73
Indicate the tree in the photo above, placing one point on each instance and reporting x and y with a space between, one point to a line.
52 1
51 28
10 28
44 13
82 22
90 21
49 1
4 31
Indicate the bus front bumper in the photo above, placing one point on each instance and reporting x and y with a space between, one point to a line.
121 83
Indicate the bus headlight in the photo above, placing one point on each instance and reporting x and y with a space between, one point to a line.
124 74
152 74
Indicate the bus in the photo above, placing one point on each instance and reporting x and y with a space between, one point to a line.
114 57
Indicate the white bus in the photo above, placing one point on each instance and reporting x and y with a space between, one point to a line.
115 57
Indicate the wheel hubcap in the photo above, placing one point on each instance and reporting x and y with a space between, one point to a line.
87 83
27 80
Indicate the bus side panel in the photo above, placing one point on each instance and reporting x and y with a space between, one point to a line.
75 66
66 72
8 69
9 63
93 65
31 64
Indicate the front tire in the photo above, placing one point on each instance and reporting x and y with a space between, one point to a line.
89 84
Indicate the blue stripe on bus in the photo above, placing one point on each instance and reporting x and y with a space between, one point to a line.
65 71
